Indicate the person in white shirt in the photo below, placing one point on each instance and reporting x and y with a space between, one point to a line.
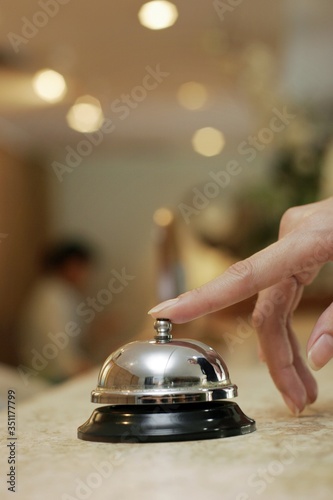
51 331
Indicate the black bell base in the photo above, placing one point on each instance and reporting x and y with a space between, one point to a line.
163 423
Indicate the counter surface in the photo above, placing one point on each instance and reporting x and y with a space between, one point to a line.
287 457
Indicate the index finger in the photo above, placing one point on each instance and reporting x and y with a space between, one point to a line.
287 257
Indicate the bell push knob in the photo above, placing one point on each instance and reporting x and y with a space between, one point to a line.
163 329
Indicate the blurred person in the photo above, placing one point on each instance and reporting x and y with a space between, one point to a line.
52 333
279 274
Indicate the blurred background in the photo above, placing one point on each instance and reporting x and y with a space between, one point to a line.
168 138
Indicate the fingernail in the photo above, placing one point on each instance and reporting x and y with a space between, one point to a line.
321 352
163 305
291 405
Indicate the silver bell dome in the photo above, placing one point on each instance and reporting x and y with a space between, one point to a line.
163 371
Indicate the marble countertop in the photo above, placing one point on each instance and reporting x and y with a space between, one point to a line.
287 457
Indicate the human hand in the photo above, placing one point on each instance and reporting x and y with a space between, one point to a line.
278 273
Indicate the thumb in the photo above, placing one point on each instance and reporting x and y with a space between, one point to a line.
320 344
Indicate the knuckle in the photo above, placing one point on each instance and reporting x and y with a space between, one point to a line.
242 269
290 218
244 272
258 318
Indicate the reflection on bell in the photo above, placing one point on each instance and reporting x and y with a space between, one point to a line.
164 390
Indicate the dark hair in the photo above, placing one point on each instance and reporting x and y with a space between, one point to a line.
58 255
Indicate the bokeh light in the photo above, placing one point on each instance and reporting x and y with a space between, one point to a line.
85 115
192 95
158 14
208 141
49 85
